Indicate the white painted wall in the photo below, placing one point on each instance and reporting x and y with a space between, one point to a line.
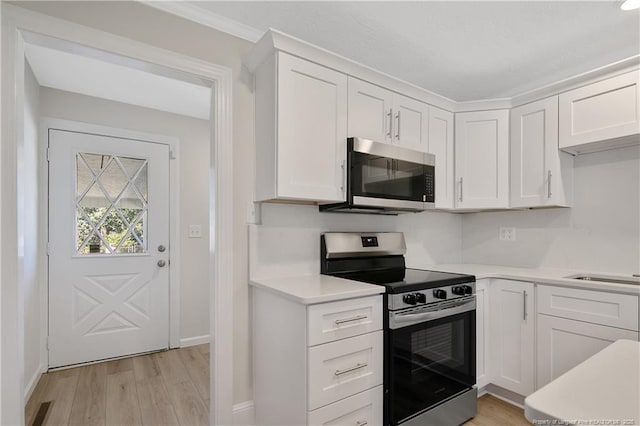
32 266
288 240
194 205
600 233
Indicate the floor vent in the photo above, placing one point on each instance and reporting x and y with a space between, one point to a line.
42 413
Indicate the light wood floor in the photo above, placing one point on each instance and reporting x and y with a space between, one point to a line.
165 388
493 411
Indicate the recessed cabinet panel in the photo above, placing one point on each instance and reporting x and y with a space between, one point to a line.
441 145
369 112
512 338
482 159
312 130
360 409
565 343
608 110
541 175
411 123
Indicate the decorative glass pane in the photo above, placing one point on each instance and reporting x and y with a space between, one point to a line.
111 204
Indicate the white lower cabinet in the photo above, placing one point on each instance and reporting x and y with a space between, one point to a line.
512 335
564 343
483 345
319 363
361 409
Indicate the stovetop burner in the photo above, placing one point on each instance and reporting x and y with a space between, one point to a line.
402 280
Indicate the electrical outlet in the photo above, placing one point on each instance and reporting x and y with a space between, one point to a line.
195 231
507 234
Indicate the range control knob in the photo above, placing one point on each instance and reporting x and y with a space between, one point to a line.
421 298
467 289
440 294
409 299
458 290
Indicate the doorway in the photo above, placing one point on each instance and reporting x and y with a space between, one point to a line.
20 27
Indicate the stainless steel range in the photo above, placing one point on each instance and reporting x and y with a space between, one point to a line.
430 338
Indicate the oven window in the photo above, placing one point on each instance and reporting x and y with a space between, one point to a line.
381 177
429 363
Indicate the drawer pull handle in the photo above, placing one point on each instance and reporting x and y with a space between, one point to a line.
356 318
362 423
350 369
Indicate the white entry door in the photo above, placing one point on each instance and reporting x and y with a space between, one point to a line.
108 247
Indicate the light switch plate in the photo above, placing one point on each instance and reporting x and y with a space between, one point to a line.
195 231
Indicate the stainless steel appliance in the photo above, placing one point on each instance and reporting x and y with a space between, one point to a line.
430 337
386 179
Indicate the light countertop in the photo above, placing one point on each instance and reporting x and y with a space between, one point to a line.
317 288
604 388
537 275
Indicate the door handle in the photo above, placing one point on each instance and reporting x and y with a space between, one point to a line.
350 369
389 129
398 125
161 263
342 182
460 198
524 305
549 184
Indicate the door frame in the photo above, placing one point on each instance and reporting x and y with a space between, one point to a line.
18 22
173 143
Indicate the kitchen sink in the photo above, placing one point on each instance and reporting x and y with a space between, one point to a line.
606 279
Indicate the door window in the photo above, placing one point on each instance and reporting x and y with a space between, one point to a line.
111 204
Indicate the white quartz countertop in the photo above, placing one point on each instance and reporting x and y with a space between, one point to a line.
316 288
537 275
604 390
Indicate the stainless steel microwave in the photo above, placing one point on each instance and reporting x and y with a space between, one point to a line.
386 179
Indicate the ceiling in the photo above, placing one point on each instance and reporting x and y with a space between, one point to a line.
106 79
459 49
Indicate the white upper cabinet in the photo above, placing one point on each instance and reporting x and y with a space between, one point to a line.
541 174
370 114
301 131
411 123
441 145
602 115
384 116
482 159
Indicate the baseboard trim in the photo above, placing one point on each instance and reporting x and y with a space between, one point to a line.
244 414
193 341
33 382
505 395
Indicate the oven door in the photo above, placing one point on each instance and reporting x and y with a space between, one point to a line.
390 176
431 357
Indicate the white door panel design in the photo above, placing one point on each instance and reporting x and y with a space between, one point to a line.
108 255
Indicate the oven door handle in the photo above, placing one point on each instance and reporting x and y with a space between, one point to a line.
399 320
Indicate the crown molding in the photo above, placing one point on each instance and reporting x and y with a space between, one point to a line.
207 18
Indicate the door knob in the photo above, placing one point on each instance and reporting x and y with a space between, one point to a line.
161 248
161 263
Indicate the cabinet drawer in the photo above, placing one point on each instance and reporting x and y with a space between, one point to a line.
598 307
340 369
363 408
347 318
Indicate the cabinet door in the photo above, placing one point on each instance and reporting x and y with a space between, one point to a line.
539 170
370 114
411 123
565 343
312 131
512 335
483 376
441 145
482 159
608 109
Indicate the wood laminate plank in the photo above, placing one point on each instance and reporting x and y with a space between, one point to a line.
89 405
204 349
119 365
145 367
61 388
189 407
155 405
198 369
123 407
493 411
171 366
31 409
